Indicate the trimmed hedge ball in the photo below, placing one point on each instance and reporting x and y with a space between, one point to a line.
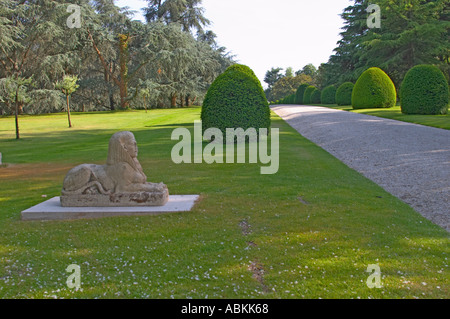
328 95
316 96
424 91
374 89
307 94
235 99
344 94
300 92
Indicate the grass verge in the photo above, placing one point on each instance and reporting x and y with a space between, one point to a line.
395 113
309 231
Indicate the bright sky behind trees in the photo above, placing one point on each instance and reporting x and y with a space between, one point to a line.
264 33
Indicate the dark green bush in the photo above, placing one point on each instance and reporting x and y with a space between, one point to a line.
307 94
424 91
292 99
235 99
242 68
374 89
328 95
315 96
300 92
344 94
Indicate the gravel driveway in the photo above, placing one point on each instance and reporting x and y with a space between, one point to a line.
410 161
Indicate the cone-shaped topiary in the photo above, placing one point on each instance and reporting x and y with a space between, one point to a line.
307 94
299 94
328 95
344 94
315 96
424 91
374 89
235 99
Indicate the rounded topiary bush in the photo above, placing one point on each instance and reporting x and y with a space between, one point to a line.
374 89
300 92
328 95
307 94
292 98
241 68
344 94
424 91
235 99
315 96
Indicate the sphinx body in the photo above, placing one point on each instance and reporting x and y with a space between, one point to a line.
121 182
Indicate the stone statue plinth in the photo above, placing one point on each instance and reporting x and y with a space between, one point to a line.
119 183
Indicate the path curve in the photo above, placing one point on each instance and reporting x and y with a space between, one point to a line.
410 161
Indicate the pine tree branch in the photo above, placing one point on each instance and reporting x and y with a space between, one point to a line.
102 60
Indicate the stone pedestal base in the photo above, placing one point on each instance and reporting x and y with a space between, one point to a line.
142 199
52 209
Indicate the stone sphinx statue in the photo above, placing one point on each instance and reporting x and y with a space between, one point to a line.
119 183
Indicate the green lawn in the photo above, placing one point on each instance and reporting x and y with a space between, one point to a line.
309 231
395 113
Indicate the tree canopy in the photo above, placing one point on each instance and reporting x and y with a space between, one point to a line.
114 57
412 32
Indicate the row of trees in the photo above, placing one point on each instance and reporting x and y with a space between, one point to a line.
170 61
412 32
281 85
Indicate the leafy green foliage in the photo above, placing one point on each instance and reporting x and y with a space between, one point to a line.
316 96
344 94
300 92
236 99
307 95
424 91
288 85
114 56
374 89
412 32
328 95
68 85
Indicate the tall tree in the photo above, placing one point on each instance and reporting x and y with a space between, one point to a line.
289 72
412 32
187 13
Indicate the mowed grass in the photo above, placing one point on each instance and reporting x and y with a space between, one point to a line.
395 113
309 231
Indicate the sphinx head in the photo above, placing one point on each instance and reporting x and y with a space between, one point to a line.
122 148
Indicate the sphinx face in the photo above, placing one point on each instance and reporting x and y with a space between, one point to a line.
130 146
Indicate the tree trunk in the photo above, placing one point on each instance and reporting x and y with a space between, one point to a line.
145 104
188 100
111 99
17 114
17 120
173 102
20 108
123 95
68 111
123 58
182 101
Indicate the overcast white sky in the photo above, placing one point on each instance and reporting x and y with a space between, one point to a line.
267 33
